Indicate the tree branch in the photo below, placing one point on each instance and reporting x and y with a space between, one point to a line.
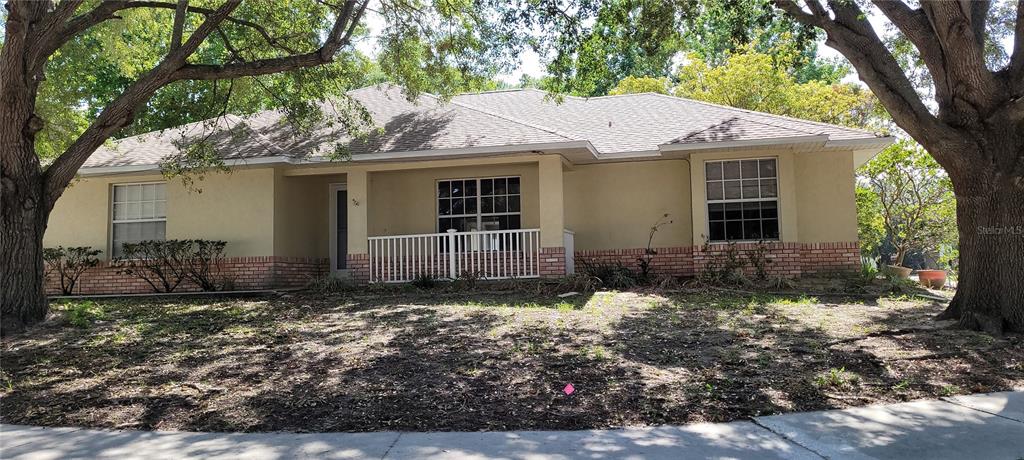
174 67
179 24
339 36
852 35
121 111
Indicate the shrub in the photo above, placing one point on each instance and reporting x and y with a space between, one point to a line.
611 275
578 282
758 258
164 265
644 261
161 264
203 263
723 267
467 279
69 264
327 284
425 281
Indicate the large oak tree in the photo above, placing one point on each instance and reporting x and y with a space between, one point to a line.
113 62
974 128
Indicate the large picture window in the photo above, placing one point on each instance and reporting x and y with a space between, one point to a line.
478 204
742 197
139 214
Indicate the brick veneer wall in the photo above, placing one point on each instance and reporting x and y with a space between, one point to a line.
552 262
244 273
358 267
790 260
676 261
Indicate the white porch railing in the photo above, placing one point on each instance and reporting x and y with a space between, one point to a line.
499 254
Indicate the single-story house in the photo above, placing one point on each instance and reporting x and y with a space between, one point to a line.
500 184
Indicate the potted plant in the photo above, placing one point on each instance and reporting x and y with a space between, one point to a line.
934 279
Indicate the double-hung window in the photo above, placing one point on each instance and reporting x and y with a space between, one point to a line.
743 199
479 204
139 214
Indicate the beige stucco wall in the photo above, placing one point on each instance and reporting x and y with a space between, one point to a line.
614 205
404 202
788 210
301 211
237 207
826 196
816 195
268 211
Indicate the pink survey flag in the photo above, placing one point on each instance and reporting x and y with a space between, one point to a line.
569 389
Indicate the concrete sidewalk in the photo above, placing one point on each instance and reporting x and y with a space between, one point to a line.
989 426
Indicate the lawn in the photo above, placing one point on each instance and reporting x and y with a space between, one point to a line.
414 360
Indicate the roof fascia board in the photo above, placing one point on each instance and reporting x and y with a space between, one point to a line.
368 157
127 169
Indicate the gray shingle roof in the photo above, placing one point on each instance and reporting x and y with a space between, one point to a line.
612 124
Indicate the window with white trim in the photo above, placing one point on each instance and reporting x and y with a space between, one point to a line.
743 199
466 205
139 214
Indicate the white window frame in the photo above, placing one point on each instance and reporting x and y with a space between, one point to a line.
707 201
479 215
110 213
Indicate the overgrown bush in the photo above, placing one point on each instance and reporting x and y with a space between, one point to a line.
425 281
610 275
203 263
578 282
723 267
758 258
165 264
69 264
644 261
467 280
328 284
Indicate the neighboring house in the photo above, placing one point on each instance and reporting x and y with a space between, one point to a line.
530 187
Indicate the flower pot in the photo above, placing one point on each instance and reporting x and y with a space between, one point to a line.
898 271
934 279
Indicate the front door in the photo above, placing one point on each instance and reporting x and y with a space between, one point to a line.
341 229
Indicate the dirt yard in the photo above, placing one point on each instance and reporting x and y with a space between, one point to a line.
447 361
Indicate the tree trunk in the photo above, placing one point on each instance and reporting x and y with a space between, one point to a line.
23 216
990 215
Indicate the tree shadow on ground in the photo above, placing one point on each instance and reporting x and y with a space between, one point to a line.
428 362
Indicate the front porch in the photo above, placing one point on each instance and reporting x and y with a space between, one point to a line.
445 219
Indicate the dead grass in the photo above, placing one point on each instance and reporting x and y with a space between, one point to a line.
433 361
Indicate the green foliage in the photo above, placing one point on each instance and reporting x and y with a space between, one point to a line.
836 378
165 264
752 80
69 264
610 275
915 199
442 47
329 284
870 225
425 281
83 314
634 85
722 266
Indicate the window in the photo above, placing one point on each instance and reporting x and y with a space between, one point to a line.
743 201
140 214
478 204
